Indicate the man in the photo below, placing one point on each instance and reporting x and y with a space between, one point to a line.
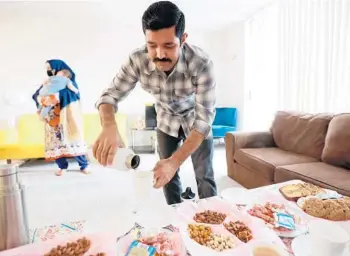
181 79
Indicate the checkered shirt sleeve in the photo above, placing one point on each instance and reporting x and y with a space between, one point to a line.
205 100
122 84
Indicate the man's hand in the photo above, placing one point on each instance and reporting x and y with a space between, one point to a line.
107 144
164 171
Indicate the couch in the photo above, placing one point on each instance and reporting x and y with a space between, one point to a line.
312 148
225 121
26 139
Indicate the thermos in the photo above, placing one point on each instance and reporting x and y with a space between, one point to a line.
14 229
125 159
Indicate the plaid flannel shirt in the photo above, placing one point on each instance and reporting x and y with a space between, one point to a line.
184 98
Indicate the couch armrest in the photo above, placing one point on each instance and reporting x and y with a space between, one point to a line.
237 140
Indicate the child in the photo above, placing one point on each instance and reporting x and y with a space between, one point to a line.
53 85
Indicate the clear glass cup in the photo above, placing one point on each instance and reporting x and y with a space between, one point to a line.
143 187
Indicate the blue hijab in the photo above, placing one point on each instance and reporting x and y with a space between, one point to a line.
66 96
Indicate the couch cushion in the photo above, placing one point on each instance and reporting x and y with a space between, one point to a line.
265 160
301 133
337 145
319 173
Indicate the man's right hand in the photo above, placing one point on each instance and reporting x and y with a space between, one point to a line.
107 144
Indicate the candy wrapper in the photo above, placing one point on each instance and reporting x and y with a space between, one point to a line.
284 220
139 249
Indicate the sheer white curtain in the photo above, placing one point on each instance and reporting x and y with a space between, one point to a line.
314 55
261 65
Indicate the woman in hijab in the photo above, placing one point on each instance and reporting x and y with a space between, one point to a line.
64 136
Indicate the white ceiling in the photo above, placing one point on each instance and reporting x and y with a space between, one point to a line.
199 13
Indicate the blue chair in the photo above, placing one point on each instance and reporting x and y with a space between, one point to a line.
225 121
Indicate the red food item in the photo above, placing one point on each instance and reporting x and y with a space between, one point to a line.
162 243
266 213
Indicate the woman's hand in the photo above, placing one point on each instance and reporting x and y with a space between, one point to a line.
107 144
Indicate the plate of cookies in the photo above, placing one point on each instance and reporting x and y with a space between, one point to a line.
293 192
329 208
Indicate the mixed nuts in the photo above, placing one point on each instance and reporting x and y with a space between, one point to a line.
205 236
77 248
210 217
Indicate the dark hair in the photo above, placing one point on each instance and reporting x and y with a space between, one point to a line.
163 14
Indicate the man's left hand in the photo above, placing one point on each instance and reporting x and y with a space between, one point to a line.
164 171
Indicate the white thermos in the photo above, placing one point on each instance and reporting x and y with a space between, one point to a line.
125 159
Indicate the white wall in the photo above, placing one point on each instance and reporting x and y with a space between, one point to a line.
94 43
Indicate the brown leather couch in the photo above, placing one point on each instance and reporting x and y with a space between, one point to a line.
312 148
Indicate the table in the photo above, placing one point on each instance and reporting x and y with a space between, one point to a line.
54 231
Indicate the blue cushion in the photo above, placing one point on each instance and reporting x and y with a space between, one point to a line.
219 131
225 116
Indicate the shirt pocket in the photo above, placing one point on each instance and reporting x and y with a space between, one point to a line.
184 89
154 90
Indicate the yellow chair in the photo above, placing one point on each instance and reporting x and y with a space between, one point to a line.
92 127
27 141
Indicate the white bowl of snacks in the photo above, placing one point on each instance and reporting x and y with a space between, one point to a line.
202 239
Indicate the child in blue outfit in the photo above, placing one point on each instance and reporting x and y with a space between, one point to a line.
55 84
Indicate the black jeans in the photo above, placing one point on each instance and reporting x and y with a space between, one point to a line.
202 160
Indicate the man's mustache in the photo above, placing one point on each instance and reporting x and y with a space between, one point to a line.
161 60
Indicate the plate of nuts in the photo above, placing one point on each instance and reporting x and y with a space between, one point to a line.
205 235
220 229
201 239
210 217
74 248
240 230
71 245
212 212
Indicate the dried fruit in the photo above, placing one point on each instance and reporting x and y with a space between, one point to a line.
210 217
77 248
240 230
